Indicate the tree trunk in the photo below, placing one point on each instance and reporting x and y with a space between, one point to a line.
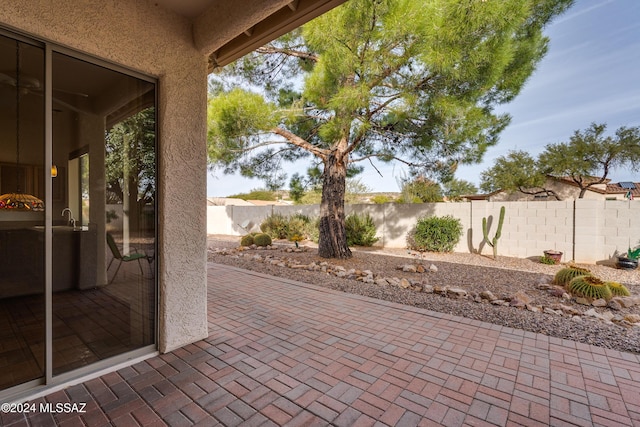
582 192
333 239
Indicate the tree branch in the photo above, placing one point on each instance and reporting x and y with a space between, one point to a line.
542 191
267 50
401 160
299 142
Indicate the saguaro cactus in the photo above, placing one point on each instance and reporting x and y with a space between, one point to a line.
493 242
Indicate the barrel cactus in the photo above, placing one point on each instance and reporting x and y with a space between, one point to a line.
618 289
564 276
246 240
262 239
589 287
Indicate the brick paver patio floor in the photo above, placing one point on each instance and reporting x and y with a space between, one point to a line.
288 353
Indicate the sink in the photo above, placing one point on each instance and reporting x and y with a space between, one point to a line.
62 228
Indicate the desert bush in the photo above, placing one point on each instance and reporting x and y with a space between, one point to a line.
246 240
297 227
256 194
589 287
276 226
360 230
262 239
312 229
435 234
380 199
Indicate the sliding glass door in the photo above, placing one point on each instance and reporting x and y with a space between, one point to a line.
22 216
77 230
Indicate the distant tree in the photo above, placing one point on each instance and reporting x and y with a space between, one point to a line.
354 190
384 80
130 164
587 159
420 190
517 171
256 194
589 156
296 187
380 199
299 185
454 189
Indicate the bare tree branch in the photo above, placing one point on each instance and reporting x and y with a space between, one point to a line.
542 191
289 52
299 142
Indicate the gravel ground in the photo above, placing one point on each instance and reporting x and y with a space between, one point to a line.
474 273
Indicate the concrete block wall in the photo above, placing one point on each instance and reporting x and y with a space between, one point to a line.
588 231
618 228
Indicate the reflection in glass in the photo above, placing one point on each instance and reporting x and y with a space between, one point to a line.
104 151
105 133
22 330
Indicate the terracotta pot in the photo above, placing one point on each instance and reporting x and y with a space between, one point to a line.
554 255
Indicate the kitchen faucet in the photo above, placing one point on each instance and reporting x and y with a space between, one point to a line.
71 220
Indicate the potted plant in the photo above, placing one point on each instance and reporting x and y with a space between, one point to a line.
556 256
629 261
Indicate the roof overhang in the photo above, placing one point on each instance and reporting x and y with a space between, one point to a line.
225 30
279 22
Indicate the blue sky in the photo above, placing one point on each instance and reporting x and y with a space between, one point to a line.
591 73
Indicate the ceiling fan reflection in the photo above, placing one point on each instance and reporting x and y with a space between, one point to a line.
30 84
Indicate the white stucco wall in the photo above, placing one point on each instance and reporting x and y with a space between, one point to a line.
589 231
148 39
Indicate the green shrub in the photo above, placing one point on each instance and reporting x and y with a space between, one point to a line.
296 227
312 229
547 260
360 230
589 287
564 276
380 199
265 195
275 225
618 289
435 234
262 240
246 240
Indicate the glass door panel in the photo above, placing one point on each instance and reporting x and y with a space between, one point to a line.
22 279
104 231
102 214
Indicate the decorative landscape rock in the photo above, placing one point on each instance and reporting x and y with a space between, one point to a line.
408 268
488 295
632 318
521 299
556 291
456 292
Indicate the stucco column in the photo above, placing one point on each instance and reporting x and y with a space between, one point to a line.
182 207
